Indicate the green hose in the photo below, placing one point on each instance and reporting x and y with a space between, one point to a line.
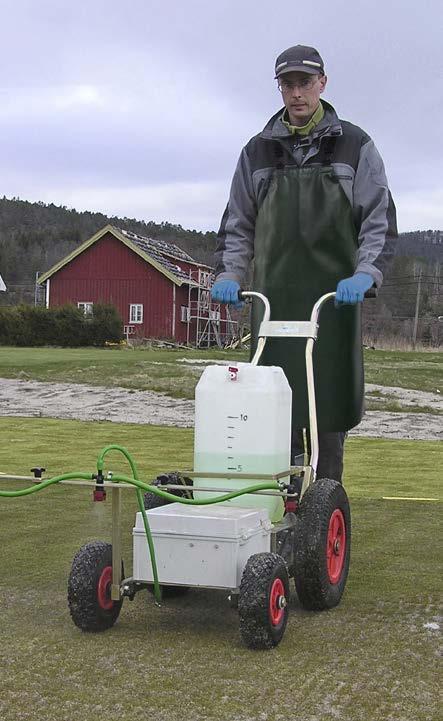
192 501
44 484
139 487
141 505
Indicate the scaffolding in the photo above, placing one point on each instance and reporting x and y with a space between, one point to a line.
209 323
39 291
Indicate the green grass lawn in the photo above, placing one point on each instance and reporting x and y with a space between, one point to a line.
142 369
161 370
407 369
371 659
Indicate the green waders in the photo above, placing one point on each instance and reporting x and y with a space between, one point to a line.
305 243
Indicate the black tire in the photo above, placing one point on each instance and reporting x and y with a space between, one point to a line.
322 545
152 500
263 600
89 583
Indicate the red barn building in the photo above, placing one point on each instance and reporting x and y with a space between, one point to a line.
158 289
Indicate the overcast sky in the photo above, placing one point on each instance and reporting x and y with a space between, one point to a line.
141 108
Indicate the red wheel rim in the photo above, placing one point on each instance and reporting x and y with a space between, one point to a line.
277 602
104 589
336 549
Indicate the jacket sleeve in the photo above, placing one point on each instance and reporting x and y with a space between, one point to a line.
375 213
235 240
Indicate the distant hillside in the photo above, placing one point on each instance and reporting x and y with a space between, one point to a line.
426 244
35 236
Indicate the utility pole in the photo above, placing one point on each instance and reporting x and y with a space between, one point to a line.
417 306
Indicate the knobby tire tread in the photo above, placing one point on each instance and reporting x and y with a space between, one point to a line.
152 500
314 589
253 604
83 603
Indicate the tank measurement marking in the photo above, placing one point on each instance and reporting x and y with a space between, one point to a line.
230 460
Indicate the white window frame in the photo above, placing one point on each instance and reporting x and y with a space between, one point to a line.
184 314
86 306
135 313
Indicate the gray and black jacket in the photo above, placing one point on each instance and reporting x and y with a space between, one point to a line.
355 161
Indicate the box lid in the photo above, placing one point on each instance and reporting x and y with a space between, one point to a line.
215 521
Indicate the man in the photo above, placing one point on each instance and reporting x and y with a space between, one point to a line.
310 203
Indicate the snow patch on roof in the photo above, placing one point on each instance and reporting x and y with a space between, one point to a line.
158 246
162 253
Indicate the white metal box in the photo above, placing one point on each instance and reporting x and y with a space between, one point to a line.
200 545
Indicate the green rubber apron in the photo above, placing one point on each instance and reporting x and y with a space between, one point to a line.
305 242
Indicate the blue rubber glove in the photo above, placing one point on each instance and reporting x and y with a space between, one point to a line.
352 290
226 291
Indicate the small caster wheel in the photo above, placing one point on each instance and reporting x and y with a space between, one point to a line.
263 600
89 588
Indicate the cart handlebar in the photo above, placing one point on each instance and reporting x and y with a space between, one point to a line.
301 329
249 294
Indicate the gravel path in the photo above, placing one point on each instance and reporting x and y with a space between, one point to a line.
87 403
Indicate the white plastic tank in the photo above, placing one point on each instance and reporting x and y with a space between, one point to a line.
242 425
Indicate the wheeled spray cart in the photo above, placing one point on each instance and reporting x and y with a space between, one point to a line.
244 520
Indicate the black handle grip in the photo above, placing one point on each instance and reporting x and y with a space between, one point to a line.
372 292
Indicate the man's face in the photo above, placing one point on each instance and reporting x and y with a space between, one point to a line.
301 94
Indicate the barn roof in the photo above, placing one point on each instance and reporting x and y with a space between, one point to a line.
165 257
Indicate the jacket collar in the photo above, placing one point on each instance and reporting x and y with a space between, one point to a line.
328 125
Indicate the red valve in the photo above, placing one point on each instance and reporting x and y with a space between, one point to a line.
233 372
